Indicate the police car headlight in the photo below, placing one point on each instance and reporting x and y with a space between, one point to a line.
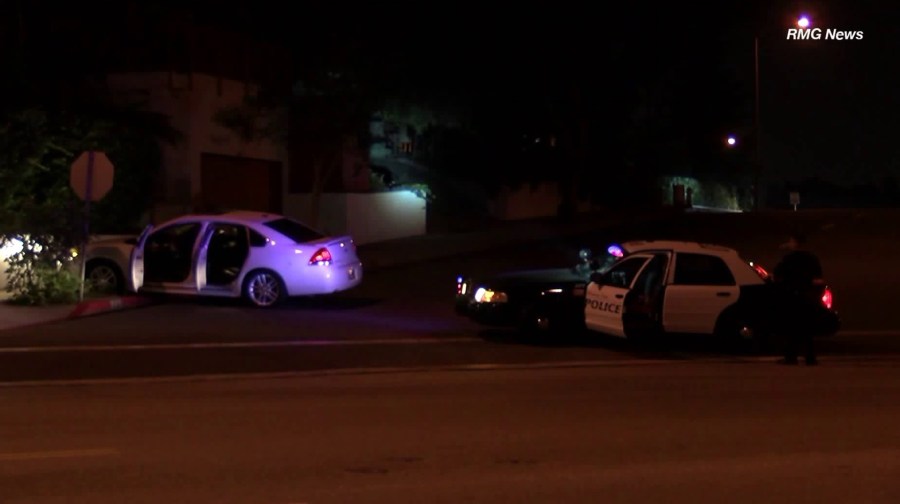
483 295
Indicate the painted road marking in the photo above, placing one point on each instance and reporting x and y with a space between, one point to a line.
337 372
60 454
243 344
300 343
765 360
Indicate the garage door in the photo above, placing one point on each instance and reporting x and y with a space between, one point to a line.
238 183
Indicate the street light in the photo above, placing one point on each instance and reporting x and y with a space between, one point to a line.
731 141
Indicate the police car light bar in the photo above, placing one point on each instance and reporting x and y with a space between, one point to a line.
615 250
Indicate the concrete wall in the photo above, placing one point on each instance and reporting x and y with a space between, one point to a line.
526 202
369 217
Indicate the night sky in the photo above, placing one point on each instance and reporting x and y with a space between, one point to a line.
828 108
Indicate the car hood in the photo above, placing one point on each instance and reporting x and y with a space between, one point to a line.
537 277
111 240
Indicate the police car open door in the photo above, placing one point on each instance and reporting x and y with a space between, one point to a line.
604 298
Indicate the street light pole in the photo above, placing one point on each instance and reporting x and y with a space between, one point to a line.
757 192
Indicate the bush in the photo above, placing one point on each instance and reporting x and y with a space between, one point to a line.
42 273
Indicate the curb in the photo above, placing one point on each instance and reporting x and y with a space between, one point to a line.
98 306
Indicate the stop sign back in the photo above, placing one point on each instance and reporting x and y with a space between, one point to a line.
91 175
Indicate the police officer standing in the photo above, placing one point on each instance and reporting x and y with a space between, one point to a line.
797 277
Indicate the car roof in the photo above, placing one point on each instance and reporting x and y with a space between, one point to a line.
242 216
634 246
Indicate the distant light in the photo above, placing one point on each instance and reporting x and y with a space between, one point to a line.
615 251
731 140
803 22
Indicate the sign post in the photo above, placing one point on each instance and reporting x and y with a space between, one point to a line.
91 177
795 199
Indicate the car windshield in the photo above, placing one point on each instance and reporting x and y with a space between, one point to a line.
294 230
599 263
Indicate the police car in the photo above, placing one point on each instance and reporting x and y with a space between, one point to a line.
661 287
534 301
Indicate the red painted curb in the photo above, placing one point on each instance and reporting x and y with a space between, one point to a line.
96 306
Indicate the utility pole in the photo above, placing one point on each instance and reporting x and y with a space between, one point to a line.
758 192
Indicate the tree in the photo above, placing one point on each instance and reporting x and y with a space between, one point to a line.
328 113
315 121
39 210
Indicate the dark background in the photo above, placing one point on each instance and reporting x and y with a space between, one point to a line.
670 80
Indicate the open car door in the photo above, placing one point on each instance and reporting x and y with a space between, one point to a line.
604 297
137 260
643 304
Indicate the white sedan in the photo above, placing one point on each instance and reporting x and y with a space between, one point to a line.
691 288
259 256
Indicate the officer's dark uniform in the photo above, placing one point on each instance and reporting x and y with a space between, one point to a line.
798 298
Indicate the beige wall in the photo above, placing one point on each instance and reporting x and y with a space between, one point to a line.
370 218
191 101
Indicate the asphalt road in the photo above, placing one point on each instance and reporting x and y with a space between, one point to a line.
402 317
685 432
383 394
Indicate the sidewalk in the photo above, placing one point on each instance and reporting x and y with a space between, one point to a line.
374 256
13 316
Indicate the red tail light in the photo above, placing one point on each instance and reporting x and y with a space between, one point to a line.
760 271
827 299
322 257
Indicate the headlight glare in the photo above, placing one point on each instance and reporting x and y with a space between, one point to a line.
483 295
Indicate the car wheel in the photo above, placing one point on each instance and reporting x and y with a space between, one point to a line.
535 321
104 277
263 288
739 333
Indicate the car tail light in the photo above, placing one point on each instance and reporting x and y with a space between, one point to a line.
827 298
760 271
322 257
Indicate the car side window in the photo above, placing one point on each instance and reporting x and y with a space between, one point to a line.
702 269
177 238
256 239
622 274
651 278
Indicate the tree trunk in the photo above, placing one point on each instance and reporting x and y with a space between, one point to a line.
315 199
323 168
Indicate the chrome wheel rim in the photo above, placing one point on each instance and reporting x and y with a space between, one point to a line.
103 279
264 289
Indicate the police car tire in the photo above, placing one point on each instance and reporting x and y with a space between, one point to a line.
729 328
529 320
